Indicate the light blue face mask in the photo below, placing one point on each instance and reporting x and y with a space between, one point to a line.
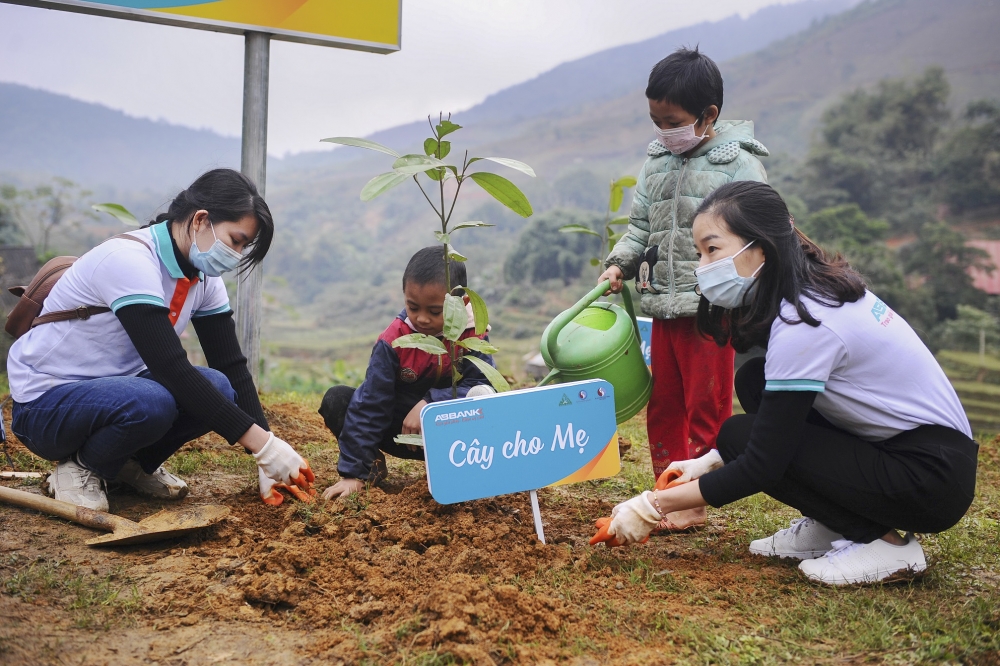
219 259
722 285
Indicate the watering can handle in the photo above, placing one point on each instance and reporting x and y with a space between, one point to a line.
627 300
566 317
559 323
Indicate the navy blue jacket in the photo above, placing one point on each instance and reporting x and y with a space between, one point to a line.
396 380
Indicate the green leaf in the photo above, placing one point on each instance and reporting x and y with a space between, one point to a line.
361 143
118 212
454 254
578 229
455 317
479 311
469 225
492 374
381 183
446 127
617 194
442 238
625 181
430 147
414 164
594 261
513 164
615 221
425 343
409 440
436 174
503 191
456 376
445 149
475 344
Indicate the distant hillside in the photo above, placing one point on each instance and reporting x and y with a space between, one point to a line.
42 133
603 76
785 87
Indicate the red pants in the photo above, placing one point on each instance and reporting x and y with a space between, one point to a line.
692 392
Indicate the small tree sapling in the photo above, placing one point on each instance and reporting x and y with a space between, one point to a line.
441 174
608 239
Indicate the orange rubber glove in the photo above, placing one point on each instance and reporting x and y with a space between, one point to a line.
302 489
602 535
669 479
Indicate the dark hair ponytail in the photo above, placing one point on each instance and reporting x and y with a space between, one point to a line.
228 196
793 266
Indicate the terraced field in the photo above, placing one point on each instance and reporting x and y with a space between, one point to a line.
977 382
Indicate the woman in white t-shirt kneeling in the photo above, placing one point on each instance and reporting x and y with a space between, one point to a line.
111 395
849 418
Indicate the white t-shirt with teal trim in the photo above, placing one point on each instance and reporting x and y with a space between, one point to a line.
873 375
114 274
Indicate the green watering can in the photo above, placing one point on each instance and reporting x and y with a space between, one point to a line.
599 341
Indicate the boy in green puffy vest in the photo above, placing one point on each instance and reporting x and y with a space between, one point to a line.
693 154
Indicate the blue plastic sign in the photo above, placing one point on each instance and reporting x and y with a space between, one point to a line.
646 337
520 440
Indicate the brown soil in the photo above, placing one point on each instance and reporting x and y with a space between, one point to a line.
379 578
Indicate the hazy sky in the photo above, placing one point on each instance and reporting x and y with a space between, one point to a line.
455 53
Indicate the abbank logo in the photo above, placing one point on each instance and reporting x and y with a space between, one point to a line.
463 415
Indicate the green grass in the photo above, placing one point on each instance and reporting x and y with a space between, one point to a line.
186 463
950 615
94 601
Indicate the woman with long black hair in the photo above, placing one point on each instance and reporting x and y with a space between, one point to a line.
111 395
849 418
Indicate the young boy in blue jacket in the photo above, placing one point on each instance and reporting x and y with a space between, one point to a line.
399 382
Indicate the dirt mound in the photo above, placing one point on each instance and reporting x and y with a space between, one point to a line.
400 565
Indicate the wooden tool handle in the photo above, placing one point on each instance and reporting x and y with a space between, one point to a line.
77 514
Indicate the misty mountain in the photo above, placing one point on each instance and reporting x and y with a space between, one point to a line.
43 134
602 76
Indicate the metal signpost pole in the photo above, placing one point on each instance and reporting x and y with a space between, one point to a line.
253 164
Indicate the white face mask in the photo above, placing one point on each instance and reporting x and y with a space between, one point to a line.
680 139
722 285
219 258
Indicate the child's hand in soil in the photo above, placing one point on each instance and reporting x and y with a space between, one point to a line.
343 488
269 489
411 424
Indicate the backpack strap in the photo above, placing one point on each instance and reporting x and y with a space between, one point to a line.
84 311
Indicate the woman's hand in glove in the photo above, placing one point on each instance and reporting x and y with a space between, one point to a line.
269 490
279 461
696 467
632 521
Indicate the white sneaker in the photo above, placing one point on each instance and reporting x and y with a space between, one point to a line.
161 484
805 539
849 562
74 483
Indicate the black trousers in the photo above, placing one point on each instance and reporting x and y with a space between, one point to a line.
922 480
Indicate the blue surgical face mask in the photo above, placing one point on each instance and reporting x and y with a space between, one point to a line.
722 285
219 259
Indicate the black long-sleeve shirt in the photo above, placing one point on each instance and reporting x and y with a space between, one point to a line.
149 328
774 440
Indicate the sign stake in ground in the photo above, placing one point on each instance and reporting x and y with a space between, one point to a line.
372 25
536 513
